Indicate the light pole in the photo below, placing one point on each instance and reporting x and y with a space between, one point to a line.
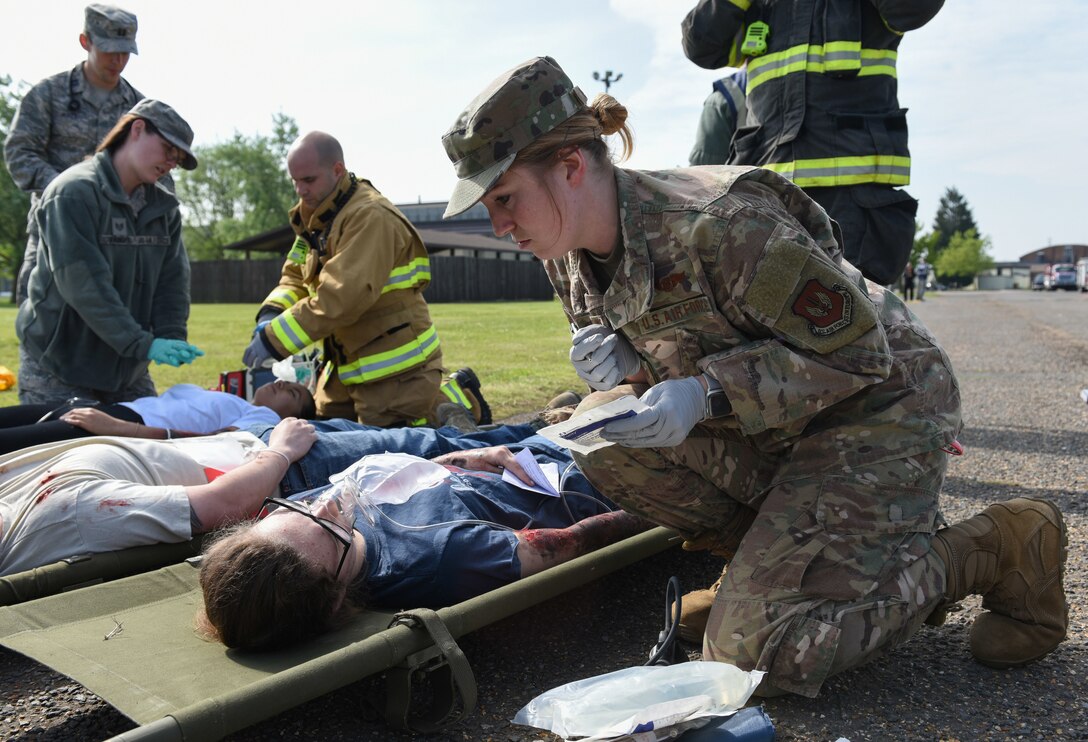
607 79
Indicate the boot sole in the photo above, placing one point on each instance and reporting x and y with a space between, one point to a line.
1064 553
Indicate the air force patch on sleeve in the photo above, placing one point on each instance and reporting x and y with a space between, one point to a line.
827 310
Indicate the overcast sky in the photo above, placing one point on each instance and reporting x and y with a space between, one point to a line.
996 90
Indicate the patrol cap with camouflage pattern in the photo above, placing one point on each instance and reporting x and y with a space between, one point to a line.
513 111
111 29
171 126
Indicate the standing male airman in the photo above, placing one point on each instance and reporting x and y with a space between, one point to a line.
62 119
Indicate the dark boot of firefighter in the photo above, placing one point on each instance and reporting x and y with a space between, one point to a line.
1013 555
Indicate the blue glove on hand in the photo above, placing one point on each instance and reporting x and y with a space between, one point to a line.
260 326
602 358
172 352
257 352
676 406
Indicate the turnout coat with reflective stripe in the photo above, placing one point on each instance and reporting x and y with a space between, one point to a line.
359 289
822 100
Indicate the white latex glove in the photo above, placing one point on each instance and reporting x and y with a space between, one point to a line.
602 358
676 406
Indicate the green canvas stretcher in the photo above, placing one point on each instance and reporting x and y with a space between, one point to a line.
158 672
82 570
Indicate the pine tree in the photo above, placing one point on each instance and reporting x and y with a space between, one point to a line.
953 216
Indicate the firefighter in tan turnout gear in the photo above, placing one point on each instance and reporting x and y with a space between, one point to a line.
353 281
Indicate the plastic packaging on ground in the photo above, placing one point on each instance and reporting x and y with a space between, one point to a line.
646 703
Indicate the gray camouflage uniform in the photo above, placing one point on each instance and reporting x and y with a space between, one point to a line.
821 485
47 137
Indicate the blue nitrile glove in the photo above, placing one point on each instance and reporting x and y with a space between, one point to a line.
676 406
258 351
602 357
172 352
260 326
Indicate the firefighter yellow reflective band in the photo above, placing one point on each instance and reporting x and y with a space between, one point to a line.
283 298
290 333
407 276
839 171
380 365
742 4
834 56
455 394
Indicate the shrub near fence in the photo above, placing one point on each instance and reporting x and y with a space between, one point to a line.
453 279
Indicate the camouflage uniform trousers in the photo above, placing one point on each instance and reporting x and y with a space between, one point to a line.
408 399
38 386
826 572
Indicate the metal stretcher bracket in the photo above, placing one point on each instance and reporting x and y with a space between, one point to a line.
444 664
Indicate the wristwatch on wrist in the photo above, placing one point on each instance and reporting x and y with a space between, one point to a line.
717 404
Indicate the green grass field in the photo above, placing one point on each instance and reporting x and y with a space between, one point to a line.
518 349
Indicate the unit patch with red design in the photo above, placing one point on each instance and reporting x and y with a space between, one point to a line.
827 310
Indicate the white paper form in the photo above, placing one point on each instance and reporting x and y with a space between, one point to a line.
545 476
582 433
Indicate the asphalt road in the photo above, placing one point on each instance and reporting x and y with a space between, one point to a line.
1021 359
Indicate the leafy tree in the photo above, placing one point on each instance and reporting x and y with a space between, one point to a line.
14 204
924 244
240 189
965 256
953 215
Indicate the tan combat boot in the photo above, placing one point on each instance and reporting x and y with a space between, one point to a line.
694 612
1013 555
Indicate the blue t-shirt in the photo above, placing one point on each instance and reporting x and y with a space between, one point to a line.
444 565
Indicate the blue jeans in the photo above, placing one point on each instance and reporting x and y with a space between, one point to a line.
340 443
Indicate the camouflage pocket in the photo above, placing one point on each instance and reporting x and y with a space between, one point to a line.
847 544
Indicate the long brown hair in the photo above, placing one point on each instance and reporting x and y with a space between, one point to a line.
262 593
118 135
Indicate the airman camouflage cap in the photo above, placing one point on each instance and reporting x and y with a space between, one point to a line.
513 111
171 126
111 29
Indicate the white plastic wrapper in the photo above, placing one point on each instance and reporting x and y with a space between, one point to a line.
390 478
285 370
641 702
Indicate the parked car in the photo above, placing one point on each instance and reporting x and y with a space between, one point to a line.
1039 282
1062 276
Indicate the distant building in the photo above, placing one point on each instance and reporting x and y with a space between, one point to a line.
1020 274
467 262
468 234
1056 254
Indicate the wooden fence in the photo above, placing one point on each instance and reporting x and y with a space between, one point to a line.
453 279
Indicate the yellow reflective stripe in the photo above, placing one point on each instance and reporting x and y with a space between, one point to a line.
816 58
838 171
407 276
742 4
841 55
878 62
418 423
284 298
290 333
455 394
775 65
380 365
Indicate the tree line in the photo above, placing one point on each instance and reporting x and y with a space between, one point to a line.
242 188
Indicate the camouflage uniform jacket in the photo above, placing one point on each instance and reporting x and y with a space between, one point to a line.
355 278
47 137
110 280
735 272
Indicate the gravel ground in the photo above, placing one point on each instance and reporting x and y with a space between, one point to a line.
1021 359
